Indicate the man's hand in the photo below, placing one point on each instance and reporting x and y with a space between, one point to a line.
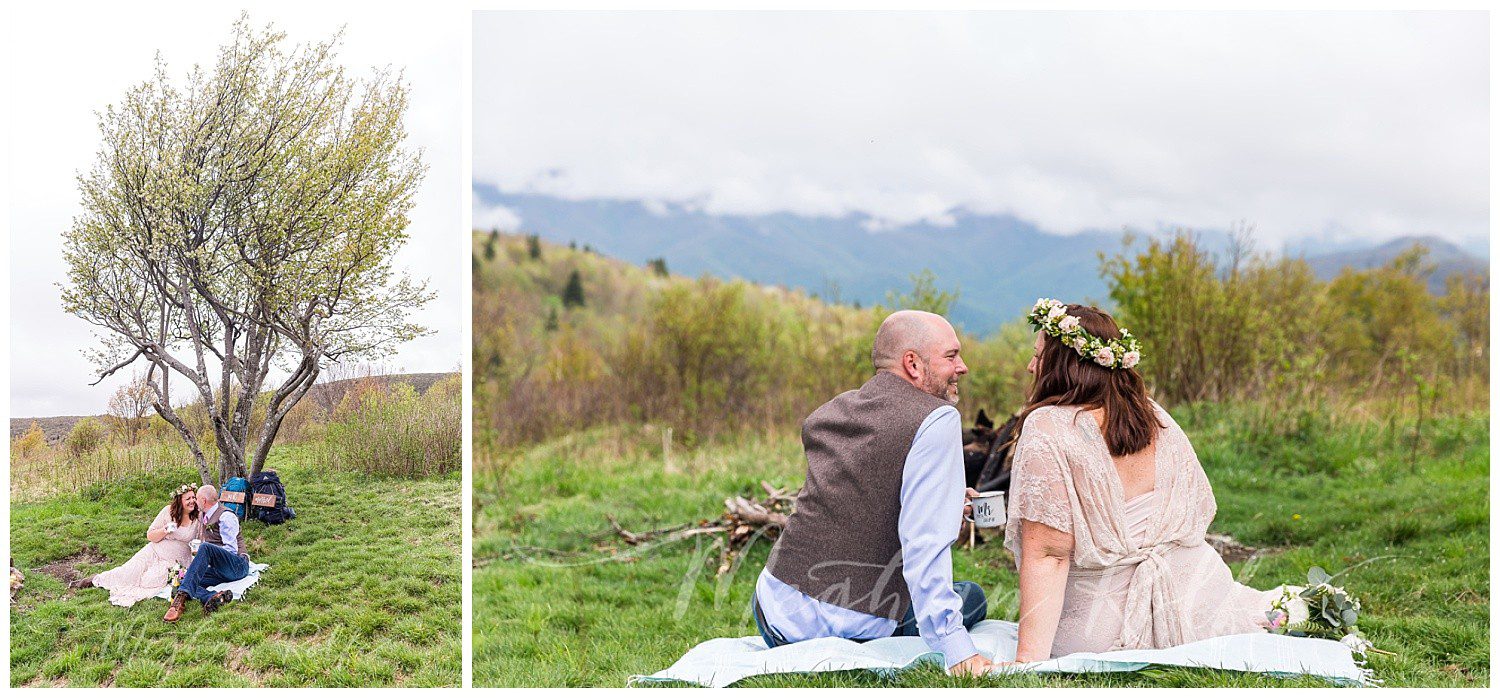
969 494
976 665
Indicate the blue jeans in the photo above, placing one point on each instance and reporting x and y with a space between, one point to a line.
975 608
212 565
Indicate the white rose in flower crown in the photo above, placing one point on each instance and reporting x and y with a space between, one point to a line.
1130 359
1104 357
1056 312
1068 324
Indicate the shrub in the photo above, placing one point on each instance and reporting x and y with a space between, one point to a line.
85 437
386 428
29 444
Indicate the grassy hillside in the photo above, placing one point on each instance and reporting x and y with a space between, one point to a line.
560 600
364 588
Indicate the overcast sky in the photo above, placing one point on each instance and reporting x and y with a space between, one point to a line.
71 66
1310 124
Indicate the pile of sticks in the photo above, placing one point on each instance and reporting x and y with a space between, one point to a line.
743 521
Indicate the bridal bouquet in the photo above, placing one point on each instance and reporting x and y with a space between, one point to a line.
1318 610
175 575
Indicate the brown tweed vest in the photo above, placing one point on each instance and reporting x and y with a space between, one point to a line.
841 545
212 534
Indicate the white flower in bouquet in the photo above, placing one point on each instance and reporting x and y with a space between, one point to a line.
1288 599
1357 644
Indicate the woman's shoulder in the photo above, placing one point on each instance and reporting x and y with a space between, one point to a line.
1049 419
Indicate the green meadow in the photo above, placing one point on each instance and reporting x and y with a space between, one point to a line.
559 599
364 588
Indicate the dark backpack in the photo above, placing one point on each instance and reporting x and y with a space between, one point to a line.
266 482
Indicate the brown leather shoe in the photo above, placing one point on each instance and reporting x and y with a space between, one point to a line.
178 601
213 603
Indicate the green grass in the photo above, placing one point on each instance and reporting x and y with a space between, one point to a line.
558 601
364 589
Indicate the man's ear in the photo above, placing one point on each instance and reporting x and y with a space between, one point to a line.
911 364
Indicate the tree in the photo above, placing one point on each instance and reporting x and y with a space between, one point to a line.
129 406
533 247
239 228
924 295
658 266
573 292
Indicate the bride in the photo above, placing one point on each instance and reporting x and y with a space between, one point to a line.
1109 505
168 540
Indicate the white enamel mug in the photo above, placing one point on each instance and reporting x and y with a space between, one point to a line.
989 509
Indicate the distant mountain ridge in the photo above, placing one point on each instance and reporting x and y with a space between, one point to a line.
1445 257
57 428
999 264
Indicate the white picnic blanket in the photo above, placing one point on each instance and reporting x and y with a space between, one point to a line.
723 661
238 586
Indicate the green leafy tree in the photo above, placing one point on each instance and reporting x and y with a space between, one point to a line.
534 247
237 229
572 296
924 295
658 266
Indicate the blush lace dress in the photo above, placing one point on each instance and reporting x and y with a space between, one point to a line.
1143 576
144 574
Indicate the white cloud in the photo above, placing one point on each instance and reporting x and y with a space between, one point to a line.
493 217
1367 125
53 135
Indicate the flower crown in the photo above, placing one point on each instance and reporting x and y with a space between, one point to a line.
182 489
1050 316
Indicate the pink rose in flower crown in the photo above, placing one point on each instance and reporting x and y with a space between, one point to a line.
1104 357
1068 324
1130 359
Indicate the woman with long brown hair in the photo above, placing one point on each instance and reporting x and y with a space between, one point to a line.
1109 505
168 540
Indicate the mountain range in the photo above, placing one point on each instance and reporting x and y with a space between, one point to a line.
998 264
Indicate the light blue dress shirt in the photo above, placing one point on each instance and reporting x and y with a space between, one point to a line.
932 500
229 529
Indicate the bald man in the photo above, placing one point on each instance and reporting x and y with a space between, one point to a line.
219 558
866 554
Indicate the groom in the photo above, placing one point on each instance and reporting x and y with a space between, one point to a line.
218 560
865 553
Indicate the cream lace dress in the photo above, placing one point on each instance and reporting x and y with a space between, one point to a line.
144 574
1143 575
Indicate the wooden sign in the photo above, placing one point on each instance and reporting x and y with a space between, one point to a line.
232 497
264 500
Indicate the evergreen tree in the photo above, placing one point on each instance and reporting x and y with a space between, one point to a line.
573 293
534 247
658 266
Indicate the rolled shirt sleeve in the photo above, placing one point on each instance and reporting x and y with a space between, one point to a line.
932 496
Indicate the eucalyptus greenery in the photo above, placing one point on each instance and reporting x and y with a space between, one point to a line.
238 226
